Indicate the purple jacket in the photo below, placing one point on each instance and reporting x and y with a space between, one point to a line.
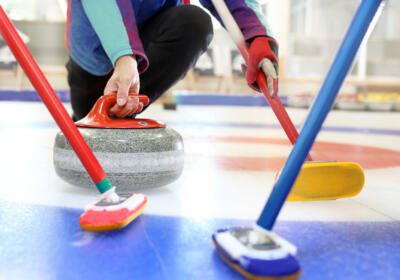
101 31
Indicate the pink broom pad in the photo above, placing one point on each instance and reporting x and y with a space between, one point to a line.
107 215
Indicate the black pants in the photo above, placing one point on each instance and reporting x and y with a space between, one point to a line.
173 40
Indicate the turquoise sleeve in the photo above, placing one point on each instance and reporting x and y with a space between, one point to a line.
114 24
256 7
247 14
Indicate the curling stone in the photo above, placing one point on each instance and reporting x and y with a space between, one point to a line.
135 153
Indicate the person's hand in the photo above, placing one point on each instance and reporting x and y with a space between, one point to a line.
262 57
125 81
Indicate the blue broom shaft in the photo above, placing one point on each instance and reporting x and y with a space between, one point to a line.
319 111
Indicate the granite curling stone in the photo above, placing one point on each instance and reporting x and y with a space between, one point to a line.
135 153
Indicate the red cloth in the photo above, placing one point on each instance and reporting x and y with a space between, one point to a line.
260 48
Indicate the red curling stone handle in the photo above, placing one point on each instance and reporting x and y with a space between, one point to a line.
99 116
105 102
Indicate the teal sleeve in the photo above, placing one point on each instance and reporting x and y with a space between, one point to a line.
114 24
247 14
256 7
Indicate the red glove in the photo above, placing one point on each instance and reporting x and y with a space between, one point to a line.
263 57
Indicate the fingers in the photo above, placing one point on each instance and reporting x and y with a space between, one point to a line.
270 72
268 68
270 84
125 82
126 104
135 86
130 107
112 86
251 73
140 109
123 91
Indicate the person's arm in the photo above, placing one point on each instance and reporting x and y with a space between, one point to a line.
247 14
263 49
115 24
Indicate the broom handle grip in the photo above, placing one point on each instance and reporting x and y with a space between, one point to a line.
273 101
53 104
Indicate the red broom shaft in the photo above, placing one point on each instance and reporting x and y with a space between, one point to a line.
278 109
275 103
280 112
49 97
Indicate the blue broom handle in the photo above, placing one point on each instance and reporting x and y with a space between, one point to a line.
319 111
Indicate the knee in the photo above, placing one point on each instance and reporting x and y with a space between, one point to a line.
197 26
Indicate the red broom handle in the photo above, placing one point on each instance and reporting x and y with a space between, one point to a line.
274 101
276 105
50 99
278 109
